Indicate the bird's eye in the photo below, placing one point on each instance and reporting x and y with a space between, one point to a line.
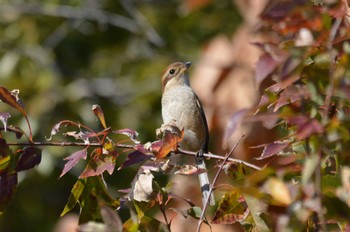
172 71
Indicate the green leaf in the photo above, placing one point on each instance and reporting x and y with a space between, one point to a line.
260 176
141 207
131 226
194 212
148 224
257 208
4 164
309 169
95 194
74 196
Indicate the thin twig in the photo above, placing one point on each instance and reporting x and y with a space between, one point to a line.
162 209
321 225
201 219
332 36
218 157
128 146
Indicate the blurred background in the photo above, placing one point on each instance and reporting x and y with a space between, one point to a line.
66 55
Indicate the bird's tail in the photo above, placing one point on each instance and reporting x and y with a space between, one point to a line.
204 182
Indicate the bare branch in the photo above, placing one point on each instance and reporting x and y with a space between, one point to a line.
151 33
86 13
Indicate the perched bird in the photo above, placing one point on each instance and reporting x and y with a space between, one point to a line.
180 103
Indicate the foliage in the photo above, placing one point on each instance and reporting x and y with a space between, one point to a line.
304 75
304 70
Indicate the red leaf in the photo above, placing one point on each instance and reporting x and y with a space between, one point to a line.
290 95
283 84
98 165
263 100
30 157
272 149
134 158
73 160
308 129
277 10
305 126
99 113
264 67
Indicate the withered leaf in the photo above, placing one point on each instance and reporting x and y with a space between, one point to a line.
132 134
189 170
56 128
232 208
99 113
143 189
3 118
11 98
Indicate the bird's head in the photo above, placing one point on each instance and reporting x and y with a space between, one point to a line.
175 74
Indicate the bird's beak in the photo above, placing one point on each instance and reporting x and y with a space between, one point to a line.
188 65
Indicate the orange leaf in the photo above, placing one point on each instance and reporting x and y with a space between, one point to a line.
169 143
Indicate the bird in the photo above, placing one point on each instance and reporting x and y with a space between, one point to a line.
180 103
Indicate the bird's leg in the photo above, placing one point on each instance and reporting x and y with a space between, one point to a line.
200 154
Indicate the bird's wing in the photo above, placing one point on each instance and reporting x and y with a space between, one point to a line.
206 143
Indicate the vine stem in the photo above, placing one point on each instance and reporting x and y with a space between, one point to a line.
226 158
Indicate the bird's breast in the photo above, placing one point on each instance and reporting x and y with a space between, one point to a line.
180 104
